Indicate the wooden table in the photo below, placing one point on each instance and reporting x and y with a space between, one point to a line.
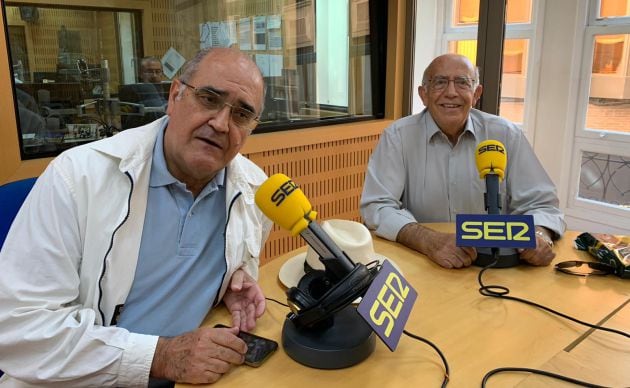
475 333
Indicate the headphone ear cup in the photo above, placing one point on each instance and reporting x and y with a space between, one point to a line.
315 283
327 299
310 287
299 300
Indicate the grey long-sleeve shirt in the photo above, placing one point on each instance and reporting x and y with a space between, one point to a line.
416 175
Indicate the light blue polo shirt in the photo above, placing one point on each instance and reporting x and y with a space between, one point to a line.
182 254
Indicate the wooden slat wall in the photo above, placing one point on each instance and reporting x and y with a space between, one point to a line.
331 176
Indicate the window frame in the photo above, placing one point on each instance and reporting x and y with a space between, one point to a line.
377 50
592 140
512 31
378 61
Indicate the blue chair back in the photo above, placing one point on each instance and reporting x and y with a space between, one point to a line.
12 195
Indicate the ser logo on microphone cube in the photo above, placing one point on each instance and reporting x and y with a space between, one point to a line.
495 231
283 192
491 147
387 304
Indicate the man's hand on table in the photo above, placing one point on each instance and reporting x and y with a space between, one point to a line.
201 356
437 246
204 355
543 253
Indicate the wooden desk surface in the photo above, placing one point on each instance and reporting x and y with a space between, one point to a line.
475 333
599 358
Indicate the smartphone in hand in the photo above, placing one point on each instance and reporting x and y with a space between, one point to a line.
258 348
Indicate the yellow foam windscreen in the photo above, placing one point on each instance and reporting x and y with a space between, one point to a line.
491 157
284 203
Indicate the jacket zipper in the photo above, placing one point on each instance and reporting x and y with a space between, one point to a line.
111 244
227 221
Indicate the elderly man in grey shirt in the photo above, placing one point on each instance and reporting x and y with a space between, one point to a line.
423 170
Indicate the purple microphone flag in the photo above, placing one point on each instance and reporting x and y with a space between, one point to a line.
387 304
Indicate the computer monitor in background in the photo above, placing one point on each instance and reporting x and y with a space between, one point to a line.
153 96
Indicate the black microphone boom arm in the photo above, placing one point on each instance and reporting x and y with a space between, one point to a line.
334 259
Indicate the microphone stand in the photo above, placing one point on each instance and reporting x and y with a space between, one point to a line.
343 340
339 341
502 257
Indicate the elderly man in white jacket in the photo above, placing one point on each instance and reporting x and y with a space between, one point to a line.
101 286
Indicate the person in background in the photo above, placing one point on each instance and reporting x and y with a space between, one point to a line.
423 170
124 245
147 92
151 70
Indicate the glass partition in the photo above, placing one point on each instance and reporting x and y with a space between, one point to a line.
82 73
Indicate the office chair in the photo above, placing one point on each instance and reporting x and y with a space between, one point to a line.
11 197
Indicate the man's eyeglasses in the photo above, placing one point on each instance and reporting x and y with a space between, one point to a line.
441 83
243 118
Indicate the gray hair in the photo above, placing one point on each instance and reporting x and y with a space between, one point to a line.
192 65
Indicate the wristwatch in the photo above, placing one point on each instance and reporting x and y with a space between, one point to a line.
545 237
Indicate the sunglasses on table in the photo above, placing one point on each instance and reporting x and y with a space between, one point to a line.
584 268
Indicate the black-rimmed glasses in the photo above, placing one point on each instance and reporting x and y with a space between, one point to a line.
243 118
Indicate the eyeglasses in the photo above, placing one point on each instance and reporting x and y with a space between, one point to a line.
243 118
441 83
584 268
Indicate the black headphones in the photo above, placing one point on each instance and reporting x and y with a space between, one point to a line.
316 299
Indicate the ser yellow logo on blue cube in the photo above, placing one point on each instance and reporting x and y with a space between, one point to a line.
387 304
495 231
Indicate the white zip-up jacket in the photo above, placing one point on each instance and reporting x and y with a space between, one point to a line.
70 258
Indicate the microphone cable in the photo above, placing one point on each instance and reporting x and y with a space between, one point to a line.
277 301
439 352
541 373
501 292
414 336
497 291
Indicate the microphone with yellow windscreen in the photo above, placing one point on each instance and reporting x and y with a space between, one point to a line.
282 201
491 159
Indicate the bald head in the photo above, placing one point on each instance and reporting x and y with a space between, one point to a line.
449 59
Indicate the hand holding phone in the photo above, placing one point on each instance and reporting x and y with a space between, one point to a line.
258 348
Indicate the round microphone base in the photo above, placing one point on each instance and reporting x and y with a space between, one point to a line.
507 258
345 343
